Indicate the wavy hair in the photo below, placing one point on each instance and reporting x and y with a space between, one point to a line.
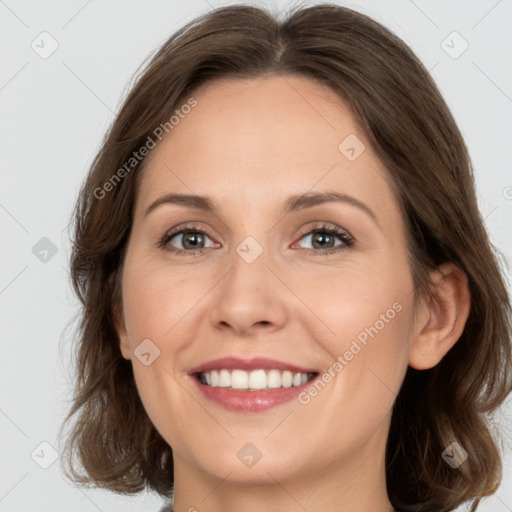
112 442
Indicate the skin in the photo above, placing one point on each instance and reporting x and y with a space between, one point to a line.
249 144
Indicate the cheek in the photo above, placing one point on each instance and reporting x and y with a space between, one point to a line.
156 299
369 359
369 312
375 355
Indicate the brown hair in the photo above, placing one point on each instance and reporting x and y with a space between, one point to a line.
410 127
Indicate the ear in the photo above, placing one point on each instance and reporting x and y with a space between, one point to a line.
441 318
120 326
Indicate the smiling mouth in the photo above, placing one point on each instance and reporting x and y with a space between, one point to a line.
255 380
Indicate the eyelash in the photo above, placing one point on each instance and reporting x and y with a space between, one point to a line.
348 240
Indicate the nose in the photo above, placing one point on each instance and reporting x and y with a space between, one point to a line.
250 298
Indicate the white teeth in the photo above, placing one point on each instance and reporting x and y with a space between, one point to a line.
274 379
224 379
239 379
257 379
287 379
254 380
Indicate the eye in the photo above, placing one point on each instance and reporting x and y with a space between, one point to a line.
321 236
190 235
193 237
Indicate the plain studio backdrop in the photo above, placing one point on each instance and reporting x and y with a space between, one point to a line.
57 99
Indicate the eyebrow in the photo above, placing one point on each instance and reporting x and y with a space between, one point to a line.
292 204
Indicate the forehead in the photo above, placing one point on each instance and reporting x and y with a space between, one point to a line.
255 139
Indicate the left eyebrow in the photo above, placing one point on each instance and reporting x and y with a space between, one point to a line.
293 203
308 200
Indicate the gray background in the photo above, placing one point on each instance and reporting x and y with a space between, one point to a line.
54 112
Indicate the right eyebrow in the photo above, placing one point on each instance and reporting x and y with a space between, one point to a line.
189 200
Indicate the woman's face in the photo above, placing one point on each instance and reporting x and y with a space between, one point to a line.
265 286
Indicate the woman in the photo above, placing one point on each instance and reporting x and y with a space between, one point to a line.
226 364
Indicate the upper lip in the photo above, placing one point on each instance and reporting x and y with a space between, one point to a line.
256 363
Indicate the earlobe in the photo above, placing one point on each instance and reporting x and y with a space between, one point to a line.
442 318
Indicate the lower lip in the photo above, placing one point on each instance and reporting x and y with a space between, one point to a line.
250 401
